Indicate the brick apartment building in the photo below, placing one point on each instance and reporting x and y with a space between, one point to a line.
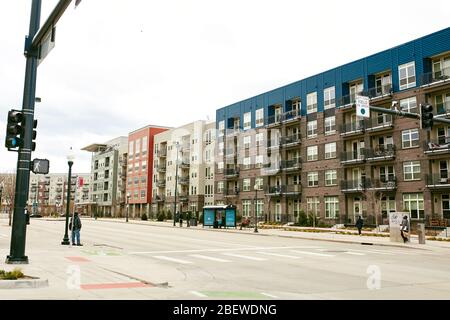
140 169
304 148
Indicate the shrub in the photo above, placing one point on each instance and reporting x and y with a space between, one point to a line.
200 219
12 275
169 215
161 216
144 217
238 218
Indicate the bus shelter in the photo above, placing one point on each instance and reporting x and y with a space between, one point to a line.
219 216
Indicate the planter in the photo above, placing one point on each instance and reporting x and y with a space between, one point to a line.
23 283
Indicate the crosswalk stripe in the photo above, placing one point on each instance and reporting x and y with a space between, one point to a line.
269 295
372 251
313 253
244 257
198 294
279 255
354 253
172 259
199 256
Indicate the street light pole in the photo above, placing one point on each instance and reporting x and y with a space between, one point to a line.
176 186
256 207
128 203
70 159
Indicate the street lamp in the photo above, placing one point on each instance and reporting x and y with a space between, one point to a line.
256 207
70 158
128 203
177 145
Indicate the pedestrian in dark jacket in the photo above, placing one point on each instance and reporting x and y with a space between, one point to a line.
404 229
75 223
359 224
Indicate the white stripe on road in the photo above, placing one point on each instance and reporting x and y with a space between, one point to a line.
198 294
172 259
199 256
372 251
313 253
244 257
279 255
354 253
269 295
3 236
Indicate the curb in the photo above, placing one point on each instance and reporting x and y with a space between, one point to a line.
23 284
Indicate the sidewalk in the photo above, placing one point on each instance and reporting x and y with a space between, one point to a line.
324 235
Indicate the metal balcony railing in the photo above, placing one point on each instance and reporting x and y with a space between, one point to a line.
291 164
438 146
284 190
183 181
377 92
161 168
232 192
349 100
272 168
162 153
379 184
161 184
353 127
290 115
379 122
231 173
233 131
433 77
276 190
274 119
159 198
293 139
437 181
380 152
273 143
353 156
355 185
185 165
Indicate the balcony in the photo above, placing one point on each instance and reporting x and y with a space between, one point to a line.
437 147
437 182
273 144
275 191
230 153
274 120
284 191
355 186
349 100
161 184
159 198
162 153
291 165
185 165
184 198
183 181
381 153
272 169
231 192
379 123
383 185
290 141
161 169
353 128
434 79
286 117
231 173
353 157
231 132
380 93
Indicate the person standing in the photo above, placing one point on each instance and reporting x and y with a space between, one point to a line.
359 224
75 223
404 229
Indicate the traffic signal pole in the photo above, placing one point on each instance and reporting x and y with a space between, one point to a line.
406 114
18 232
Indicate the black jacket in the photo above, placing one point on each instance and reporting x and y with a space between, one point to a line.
77 224
359 223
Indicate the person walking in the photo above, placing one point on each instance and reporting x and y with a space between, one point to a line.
404 229
75 223
359 224
181 219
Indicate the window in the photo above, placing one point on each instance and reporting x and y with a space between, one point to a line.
259 117
221 128
312 128
413 202
407 75
330 150
331 177
441 68
313 179
259 208
220 166
329 98
259 139
383 84
330 125
312 153
246 184
409 104
387 206
220 187
144 165
387 173
259 161
131 149
259 182
247 142
313 204
296 107
331 207
410 138
246 208
247 120
442 103
311 102
411 170
247 162
130 168
221 147
143 192
138 147
144 145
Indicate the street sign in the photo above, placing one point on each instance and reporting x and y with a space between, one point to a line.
362 107
47 44
40 166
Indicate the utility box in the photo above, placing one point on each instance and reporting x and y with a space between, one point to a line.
421 232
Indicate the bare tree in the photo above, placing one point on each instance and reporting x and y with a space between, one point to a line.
8 181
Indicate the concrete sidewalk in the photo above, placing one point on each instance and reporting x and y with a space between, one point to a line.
323 235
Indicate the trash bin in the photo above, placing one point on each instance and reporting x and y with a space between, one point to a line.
216 224
193 222
421 232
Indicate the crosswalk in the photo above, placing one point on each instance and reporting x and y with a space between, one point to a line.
190 257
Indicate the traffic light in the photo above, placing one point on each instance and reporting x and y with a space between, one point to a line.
14 130
426 116
33 144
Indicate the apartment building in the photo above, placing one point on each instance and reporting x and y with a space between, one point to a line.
140 169
193 146
108 177
302 147
48 193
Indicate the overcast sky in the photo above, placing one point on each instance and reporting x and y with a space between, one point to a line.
120 65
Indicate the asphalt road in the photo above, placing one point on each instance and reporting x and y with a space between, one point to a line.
129 261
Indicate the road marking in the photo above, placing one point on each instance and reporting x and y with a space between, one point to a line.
198 294
172 259
313 253
244 257
208 258
222 249
78 259
372 251
269 295
279 255
354 253
127 285
3 236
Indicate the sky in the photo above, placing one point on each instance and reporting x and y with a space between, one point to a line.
121 65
